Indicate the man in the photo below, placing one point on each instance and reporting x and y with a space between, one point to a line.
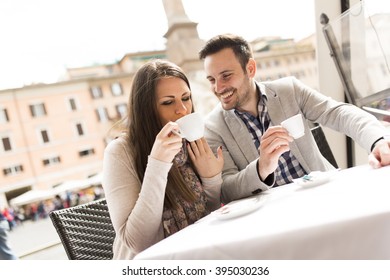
258 152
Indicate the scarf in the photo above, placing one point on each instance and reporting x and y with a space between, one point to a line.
187 213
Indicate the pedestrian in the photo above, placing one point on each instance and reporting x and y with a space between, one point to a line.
6 252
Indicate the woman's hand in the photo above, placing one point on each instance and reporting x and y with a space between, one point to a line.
206 163
274 142
167 144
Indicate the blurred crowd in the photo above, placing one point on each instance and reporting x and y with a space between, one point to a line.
41 209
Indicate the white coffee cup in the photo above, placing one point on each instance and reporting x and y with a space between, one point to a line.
191 127
294 126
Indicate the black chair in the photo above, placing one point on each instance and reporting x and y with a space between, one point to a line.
86 231
323 144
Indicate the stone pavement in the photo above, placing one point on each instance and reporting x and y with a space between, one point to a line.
37 241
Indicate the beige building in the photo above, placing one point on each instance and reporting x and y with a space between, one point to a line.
53 133
277 58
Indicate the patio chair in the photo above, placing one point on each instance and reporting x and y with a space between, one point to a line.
323 144
86 231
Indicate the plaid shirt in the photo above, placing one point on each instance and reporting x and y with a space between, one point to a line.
288 167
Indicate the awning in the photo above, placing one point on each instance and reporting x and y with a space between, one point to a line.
95 180
31 196
71 185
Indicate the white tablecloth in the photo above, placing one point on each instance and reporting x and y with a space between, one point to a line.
345 218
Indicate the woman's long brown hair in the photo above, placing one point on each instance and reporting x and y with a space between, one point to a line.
144 124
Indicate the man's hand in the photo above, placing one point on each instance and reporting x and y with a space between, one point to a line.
380 155
274 142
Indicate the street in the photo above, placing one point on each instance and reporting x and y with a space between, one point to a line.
37 241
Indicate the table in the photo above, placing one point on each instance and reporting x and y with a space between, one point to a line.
345 218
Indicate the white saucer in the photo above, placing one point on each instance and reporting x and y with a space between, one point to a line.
315 178
239 207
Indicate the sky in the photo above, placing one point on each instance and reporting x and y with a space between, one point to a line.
39 39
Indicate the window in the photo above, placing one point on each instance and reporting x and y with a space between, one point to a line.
3 116
13 170
102 114
6 144
116 89
38 110
45 136
72 104
86 152
121 110
80 130
51 161
96 92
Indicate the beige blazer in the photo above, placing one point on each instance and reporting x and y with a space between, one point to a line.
285 98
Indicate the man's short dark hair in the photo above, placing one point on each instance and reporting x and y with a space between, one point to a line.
239 45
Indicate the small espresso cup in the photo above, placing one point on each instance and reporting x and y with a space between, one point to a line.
294 126
191 127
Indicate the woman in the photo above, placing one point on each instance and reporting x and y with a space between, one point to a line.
155 182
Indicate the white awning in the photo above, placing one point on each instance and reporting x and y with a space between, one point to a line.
96 179
72 185
31 196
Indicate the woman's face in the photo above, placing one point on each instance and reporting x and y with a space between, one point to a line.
173 99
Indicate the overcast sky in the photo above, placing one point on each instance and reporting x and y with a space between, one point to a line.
40 38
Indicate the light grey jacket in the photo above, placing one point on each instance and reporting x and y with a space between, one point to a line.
285 98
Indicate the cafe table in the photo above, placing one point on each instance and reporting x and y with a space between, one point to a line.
345 217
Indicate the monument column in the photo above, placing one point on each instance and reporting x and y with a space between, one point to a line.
183 42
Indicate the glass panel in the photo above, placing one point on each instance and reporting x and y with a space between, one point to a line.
360 46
